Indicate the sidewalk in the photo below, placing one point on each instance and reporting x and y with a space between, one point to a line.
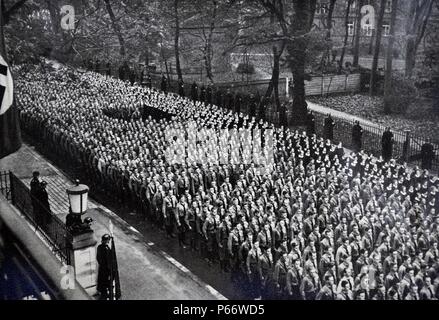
145 272
322 109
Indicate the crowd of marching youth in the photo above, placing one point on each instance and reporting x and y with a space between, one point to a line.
322 223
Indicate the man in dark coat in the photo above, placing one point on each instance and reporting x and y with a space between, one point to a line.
44 206
203 94
35 186
328 129
108 67
181 87
219 97
209 94
238 102
387 144
103 256
357 134
252 106
194 92
97 65
427 155
164 84
229 99
149 81
310 123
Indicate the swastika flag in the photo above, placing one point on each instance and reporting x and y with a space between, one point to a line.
10 135
6 87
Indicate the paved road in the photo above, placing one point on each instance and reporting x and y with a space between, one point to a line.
145 271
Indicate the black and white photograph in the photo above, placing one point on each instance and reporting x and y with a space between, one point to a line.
226 151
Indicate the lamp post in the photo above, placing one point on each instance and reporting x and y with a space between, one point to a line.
82 241
78 197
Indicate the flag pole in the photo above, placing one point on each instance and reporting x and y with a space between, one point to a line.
114 275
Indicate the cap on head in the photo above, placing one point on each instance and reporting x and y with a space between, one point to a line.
106 237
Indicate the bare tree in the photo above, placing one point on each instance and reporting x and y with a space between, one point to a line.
300 26
116 28
418 16
5 16
176 41
346 35
357 34
389 59
376 51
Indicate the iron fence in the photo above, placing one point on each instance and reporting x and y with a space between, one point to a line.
406 147
38 214
5 185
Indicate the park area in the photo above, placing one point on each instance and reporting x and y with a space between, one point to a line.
421 118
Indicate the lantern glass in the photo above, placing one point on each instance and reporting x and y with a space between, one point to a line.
78 198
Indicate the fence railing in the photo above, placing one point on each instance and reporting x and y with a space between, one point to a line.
38 214
406 147
5 185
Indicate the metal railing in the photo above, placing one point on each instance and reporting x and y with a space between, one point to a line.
38 214
5 185
406 147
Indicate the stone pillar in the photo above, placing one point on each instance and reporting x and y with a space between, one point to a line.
83 259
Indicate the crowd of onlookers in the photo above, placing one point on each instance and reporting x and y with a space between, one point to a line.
321 223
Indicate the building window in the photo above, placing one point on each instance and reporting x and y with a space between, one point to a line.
322 8
367 30
388 7
351 28
386 30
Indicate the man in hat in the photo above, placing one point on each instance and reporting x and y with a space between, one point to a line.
357 133
104 259
35 187
181 88
427 155
164 84
45 215
328 129
310 123
194 92
387 144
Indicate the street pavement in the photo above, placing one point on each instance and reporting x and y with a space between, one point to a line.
146 272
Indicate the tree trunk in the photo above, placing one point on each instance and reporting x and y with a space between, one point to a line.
346 36
415 32
389 60
376 51
326 57
176 42
297 47
55 19
276 73
329 19
208 51
357 34
116 28
410 57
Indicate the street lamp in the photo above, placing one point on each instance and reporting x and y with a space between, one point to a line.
81 239
78 197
